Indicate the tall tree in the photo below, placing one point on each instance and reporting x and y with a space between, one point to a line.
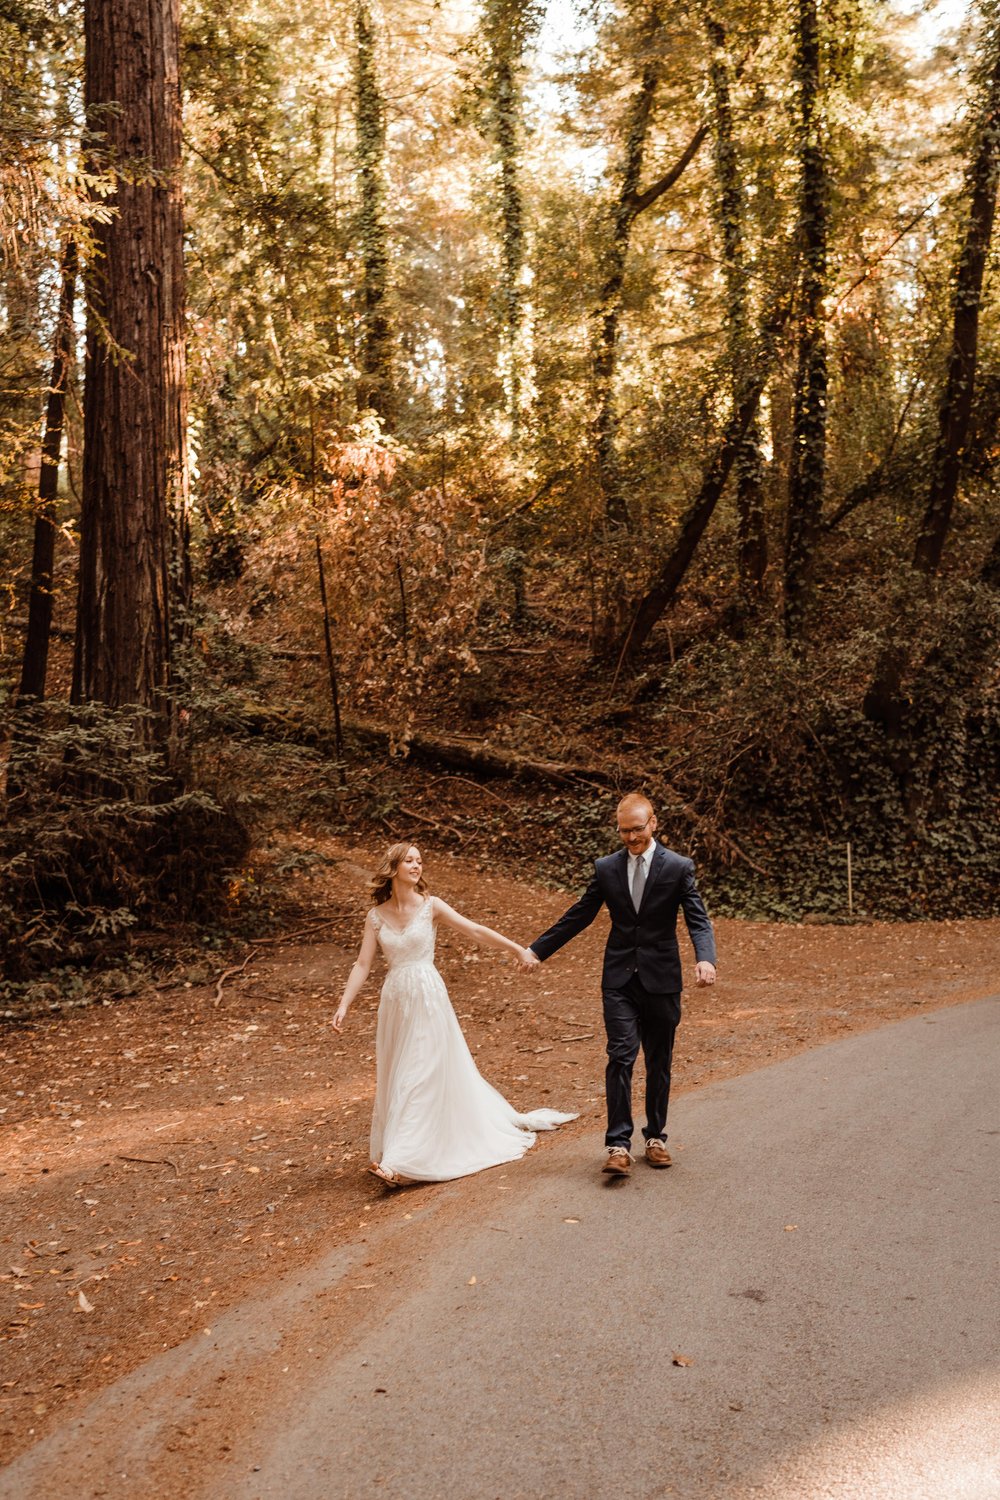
375 384
507 28
883 700
731 214
34 665
807 472
661 592
955 406
133 532
615 258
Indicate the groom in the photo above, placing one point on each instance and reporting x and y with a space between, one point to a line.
644 885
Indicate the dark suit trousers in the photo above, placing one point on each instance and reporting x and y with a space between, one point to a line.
634 1017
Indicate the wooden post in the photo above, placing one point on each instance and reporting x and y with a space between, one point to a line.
850 883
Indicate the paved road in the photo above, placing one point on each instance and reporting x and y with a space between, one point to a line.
824 1254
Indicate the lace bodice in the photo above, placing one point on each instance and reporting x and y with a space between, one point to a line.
412 944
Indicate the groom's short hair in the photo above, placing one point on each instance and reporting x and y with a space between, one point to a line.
636 800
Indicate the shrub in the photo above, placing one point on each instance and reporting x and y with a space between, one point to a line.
98 837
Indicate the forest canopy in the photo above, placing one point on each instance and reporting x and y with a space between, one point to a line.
610 386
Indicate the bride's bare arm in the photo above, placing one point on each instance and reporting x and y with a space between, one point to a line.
357 976
485 936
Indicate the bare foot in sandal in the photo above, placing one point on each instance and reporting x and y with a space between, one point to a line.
391 1179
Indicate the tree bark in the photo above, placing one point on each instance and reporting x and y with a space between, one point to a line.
955 409
807 474
608 315
507 25
34 663
133 564
731 212
375 386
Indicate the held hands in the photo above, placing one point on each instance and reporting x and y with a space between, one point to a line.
528 961
704 973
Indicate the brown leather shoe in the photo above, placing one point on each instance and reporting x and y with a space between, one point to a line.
619 1162
657 1154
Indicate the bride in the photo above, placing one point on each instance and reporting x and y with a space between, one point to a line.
435 1116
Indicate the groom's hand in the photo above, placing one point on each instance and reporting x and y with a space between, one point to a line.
529 962
704 973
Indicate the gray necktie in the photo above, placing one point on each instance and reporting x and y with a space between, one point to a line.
638 882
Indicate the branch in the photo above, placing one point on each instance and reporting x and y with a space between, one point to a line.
639 202
228 973
867 488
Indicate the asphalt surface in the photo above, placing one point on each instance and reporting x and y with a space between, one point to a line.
821 1260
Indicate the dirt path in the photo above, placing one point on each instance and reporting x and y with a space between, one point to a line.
162 1157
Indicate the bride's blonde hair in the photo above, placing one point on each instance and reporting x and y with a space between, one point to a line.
380 886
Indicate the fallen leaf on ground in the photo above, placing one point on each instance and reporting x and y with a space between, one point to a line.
682 1359
83 1304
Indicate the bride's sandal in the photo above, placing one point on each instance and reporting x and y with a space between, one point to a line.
391 1179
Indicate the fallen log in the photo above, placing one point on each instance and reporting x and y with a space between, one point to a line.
484 758
446 750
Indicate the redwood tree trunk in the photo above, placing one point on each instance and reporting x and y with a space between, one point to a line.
133 553
807 474
34 665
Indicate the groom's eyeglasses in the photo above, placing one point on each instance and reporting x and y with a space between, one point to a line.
626 831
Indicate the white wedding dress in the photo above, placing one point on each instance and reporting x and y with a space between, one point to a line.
435 1115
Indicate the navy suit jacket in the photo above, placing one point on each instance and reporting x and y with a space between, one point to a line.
642 942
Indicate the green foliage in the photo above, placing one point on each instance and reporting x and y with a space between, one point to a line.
792 772
97 838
